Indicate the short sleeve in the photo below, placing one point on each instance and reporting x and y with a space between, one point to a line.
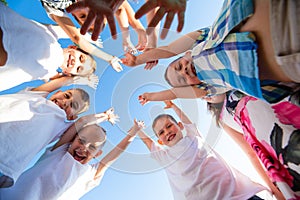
191 130
28 90
157 152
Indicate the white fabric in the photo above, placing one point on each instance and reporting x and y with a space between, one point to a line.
33 51
225 116
53 11
28 122
51 176
196 172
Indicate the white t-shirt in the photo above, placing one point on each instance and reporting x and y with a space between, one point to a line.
28 123
196 172
33 51
57 175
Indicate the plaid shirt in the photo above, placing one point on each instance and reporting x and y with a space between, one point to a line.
228 60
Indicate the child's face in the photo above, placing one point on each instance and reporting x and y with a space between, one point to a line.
87 144
168 132
76 62
70 101
182 72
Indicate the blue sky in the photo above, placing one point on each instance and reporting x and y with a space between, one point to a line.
135 176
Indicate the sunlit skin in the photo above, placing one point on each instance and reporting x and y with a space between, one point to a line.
87 144
168 132
182 72
76 62
70 101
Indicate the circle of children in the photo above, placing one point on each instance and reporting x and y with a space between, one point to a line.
246 65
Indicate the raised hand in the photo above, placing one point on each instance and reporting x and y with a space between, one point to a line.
129 60
128 47
169 7
98 11
169 104
144 98
91 80
138 125
115 63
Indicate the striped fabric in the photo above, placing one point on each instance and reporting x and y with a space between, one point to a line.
228 60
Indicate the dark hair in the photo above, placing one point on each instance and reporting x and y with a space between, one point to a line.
166 72
215 109
85 97
162 116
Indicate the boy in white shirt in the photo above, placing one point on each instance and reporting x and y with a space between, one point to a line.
29 121
63 172
194 170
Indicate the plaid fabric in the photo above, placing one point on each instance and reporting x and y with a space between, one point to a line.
228 60
58 4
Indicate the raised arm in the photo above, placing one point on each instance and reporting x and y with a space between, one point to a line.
70 133
171 7
112 156
98 11
176 47
123 22
74 34
54 84
189 92
146 139
182 116
239 139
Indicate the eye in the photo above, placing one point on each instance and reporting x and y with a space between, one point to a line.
82 16
178 67
169 125
160 132
66 95
81 141
79 69
92 148
82 58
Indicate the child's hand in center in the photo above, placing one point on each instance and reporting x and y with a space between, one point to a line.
129 60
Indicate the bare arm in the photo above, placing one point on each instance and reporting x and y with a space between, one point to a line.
188 92
180 45
146 139
112 156
239 139
182 116
54 84
70 133
74 34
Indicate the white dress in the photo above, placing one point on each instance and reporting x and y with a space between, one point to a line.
57 175
33 50
196 172
28 122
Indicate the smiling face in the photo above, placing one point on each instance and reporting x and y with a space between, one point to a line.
87 144
76 62
182 72
168 131
70 101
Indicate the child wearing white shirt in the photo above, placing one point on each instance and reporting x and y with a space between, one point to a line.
194 170
64 172
29 121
